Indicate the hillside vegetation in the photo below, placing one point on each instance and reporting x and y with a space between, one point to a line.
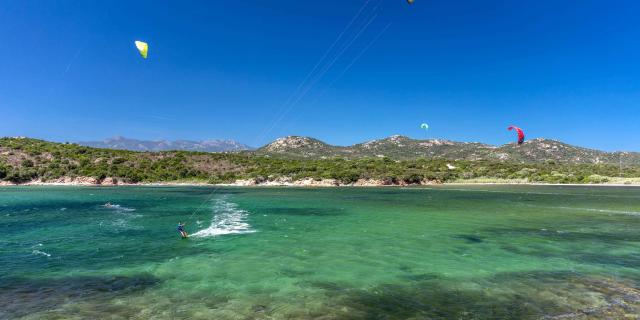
404 148
23 160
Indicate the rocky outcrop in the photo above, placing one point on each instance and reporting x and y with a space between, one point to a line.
71 181
84 181
109 181
316 183
302 147
261 181
293 142
245 182
309 182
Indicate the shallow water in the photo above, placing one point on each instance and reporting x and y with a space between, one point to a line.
476 252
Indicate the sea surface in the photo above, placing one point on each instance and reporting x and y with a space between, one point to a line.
446 252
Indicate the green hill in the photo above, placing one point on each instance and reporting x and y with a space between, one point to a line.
404 148
27 160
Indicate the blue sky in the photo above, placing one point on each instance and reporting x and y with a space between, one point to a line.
567 70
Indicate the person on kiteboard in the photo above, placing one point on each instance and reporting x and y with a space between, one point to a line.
181 230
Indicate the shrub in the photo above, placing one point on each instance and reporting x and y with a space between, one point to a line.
594 178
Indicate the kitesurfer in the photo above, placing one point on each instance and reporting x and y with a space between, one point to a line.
181 230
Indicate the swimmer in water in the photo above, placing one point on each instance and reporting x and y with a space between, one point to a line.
108 204
181 230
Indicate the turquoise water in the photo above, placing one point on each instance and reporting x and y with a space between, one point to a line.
473 252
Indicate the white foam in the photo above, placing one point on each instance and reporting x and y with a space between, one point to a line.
624 212
227 219
124 224
118 207
121 217
41 253
633 213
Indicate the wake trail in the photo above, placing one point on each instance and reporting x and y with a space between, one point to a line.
227 219
37 252
119 208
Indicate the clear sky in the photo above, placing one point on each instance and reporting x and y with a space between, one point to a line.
254 70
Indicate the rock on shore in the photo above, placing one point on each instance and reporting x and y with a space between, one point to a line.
70 181
310 182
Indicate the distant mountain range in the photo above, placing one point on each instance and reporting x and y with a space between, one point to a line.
404 148
122 143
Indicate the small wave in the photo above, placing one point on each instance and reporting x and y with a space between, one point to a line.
118 207
123 224
625 212
532 192
633 213
120 223
227 219
40 253
120 219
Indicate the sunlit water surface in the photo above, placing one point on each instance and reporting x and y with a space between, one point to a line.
476 252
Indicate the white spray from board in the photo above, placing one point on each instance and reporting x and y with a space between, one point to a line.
227 219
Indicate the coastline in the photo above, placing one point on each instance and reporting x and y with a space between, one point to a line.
303 183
